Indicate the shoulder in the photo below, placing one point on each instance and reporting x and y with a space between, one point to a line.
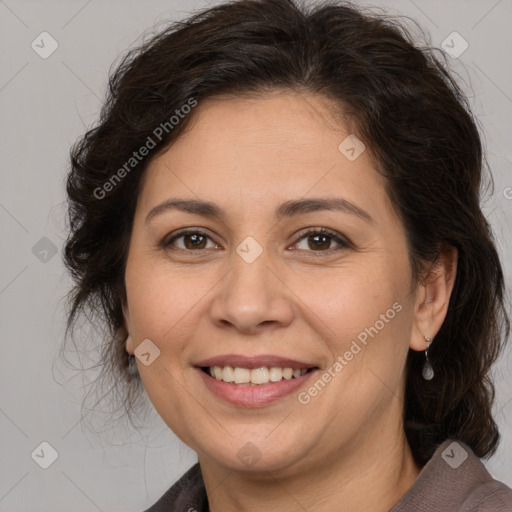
455 479
186 495
494 496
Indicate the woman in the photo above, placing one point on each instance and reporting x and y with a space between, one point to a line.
278 219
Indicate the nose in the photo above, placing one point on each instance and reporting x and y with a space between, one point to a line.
252 297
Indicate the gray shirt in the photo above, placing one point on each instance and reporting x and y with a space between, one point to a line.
453 480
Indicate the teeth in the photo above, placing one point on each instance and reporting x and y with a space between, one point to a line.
228 374
260 375
256 375
242 375
276 374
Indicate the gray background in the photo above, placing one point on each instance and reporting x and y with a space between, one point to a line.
44 107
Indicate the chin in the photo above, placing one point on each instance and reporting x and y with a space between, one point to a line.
255 457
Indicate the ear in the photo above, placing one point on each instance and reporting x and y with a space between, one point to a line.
432 298
129 344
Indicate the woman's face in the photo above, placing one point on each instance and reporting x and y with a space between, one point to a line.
254 284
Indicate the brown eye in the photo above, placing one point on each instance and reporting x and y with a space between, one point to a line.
321 240
195 241
192 240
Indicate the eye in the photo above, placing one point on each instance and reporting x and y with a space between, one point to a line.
190 240
317 240
321 240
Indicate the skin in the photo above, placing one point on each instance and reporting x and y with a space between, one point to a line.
248 156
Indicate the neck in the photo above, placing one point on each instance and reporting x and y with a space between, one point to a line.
373 477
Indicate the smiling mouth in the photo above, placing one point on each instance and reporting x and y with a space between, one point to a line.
255 376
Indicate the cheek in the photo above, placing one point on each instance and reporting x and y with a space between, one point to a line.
347 300
163 303
367 317
365 314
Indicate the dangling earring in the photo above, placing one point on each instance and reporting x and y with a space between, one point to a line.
428 371
132 365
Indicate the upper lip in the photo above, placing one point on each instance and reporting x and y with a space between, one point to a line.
261 361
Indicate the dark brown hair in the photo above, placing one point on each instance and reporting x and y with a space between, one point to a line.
401 102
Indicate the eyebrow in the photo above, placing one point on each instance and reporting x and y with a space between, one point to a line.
287 209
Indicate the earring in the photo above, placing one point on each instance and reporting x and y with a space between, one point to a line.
428 371
132 364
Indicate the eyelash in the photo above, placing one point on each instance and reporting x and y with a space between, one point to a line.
336 237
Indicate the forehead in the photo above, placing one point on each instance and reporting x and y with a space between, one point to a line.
278 145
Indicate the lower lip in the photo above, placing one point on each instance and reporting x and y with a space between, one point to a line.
248 395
